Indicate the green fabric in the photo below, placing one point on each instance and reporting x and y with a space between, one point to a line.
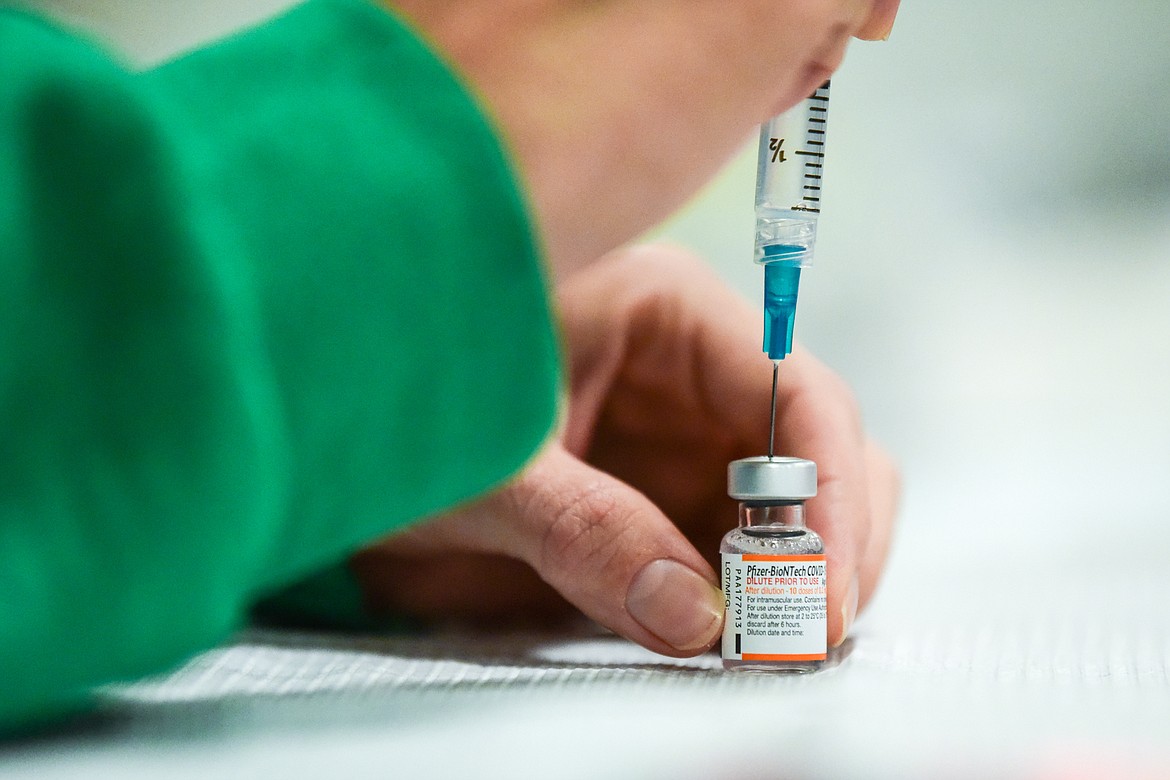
260 306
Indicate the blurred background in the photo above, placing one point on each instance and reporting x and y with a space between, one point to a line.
992 272
993 279
993 265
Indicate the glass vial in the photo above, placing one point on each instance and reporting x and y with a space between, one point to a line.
773 570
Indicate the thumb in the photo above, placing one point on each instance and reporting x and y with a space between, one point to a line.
609 551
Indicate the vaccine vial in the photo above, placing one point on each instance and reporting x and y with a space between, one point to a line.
773 570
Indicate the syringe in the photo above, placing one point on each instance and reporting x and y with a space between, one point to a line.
788 200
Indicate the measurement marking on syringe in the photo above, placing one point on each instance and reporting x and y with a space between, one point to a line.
793 229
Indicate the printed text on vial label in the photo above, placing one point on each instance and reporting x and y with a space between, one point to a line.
776 607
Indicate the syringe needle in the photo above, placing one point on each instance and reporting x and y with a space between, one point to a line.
772 424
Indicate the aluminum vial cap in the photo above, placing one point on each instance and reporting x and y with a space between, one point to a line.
771 479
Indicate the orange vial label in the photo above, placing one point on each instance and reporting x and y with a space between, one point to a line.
776 609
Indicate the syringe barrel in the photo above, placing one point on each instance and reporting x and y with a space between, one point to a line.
788 201
788 181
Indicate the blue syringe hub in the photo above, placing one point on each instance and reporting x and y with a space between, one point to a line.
781 288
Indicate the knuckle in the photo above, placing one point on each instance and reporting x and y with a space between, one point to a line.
658 261
845 406
851 407
583 534
663 298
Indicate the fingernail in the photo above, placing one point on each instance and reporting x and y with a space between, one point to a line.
878 33
676 604
877 29
849 609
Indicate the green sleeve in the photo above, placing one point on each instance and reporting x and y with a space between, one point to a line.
262 305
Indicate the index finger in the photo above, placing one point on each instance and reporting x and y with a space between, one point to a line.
818 419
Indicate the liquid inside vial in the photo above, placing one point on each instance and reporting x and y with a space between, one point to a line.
774 585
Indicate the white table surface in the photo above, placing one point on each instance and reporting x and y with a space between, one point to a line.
987 655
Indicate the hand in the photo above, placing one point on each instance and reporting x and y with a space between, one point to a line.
616 112
668 385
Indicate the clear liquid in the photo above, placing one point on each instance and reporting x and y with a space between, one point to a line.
773 540
778 539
